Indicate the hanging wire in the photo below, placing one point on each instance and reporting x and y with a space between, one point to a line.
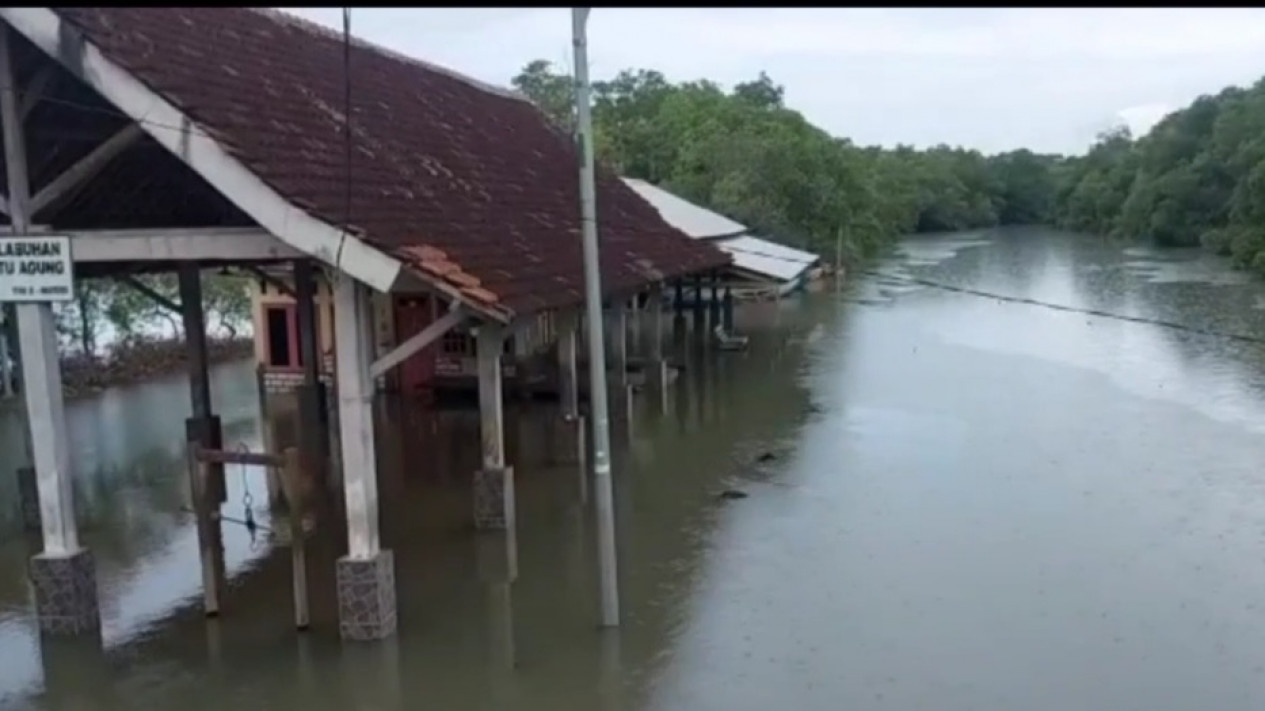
347 152
248 501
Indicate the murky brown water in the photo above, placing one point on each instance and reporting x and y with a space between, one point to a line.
975 505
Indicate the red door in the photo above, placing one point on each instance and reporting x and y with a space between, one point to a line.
412 314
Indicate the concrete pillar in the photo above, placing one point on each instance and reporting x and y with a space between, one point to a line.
727 310
634 309
713 305
203 427
568 432
568 379
493 482
63 575
618 320
313 415
366 575
700 319
656 365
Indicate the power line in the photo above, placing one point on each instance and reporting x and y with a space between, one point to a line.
1067 309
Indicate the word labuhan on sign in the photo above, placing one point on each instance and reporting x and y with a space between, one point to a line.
36 269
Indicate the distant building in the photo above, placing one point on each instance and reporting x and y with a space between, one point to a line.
760 267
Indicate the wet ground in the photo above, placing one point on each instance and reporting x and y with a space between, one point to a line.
973 504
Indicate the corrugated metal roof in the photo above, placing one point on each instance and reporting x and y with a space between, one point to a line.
767 258
697 222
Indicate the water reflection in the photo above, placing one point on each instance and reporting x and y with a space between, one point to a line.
964 504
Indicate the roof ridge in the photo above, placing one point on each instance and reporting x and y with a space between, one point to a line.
280 15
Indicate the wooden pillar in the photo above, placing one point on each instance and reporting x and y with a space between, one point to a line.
366 575
493 482
313 416
63 575
202 428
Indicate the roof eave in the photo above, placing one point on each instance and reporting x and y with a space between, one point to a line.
328 243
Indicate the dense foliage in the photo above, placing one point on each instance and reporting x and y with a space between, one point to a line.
746 155
1197 178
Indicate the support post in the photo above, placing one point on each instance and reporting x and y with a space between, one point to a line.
203 428
700 320
313 416
63 575
293 475
727 309
619 342
568 444
366 575
656 365
713 305
634 307
206 512
607 555
493 482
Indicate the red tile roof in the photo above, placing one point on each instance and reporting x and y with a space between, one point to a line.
460 180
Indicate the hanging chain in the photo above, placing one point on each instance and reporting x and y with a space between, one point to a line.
248 501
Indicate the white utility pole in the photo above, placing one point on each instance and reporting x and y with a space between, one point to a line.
604 491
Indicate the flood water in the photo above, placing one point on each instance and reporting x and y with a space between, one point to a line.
972 504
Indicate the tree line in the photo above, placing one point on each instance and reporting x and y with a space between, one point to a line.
1197 178
134 316
745 154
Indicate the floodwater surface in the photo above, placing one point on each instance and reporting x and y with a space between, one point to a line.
971 503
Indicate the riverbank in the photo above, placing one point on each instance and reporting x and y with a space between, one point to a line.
138 361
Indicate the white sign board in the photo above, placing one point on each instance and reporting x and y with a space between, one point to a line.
36 269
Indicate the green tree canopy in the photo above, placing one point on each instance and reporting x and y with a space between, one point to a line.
745 154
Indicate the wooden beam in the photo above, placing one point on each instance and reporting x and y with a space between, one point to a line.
87 167
36 90
273 280
154 296
249 459
224 244
418 341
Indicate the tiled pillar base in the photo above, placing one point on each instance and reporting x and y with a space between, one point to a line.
568 441
494 499
66 593
366 597
29 499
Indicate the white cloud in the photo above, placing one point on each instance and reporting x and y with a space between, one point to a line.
1141 119
994 79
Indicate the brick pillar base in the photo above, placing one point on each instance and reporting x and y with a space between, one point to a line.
366 597
29 499
494 499
66 593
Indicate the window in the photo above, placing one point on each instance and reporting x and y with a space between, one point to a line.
283 337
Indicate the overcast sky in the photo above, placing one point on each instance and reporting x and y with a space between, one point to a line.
992 79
